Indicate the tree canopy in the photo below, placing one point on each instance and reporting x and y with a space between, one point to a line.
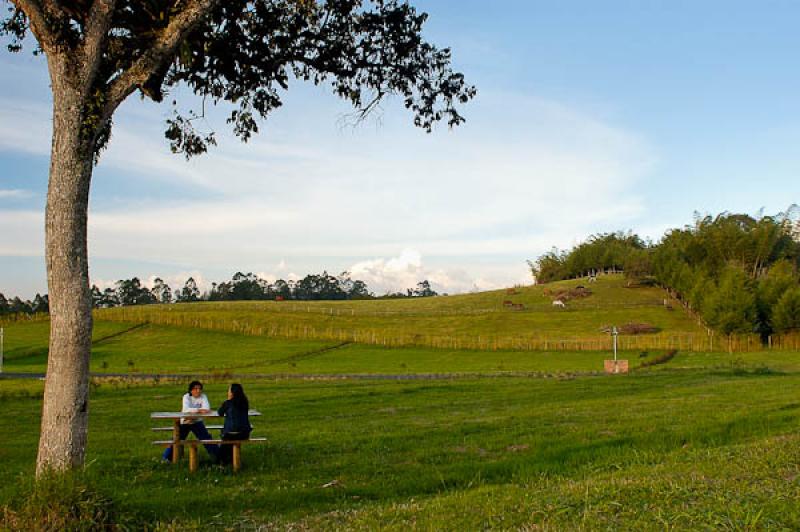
243 52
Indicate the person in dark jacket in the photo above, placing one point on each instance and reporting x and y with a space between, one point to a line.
237 422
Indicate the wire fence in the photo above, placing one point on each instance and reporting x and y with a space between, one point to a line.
381 337
8 319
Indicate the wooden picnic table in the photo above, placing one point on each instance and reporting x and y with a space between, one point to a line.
176 424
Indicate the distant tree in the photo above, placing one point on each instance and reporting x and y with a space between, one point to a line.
3 305
424 289
189 292
779 278
18 306
161 291
359 290
40 304
638 264
97 296
246 287
283 289
316 287
731 308
109 298
549 267
131 292
786 313
345 282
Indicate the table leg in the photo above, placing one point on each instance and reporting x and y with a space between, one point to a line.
193 458
237 456
176 437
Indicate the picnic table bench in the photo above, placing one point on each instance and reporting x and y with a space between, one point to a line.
177 444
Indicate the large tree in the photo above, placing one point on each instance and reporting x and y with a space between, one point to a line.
240 52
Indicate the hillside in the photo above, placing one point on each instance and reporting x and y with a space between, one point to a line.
469 321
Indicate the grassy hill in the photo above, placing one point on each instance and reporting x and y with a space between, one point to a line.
471 333
472 321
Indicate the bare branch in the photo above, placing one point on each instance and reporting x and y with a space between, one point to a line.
40 27
97 27
160 54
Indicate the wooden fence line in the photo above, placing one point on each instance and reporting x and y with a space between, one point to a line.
681 342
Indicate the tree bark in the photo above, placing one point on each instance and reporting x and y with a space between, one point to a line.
65 410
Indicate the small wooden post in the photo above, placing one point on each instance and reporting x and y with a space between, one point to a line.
237 456
193 458
176 437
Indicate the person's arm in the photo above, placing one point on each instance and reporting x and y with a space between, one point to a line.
205 408
223 408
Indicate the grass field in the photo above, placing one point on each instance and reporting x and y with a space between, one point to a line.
145 348
470 321
125 347
705 440
694 449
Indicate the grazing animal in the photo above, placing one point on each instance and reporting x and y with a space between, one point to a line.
559 303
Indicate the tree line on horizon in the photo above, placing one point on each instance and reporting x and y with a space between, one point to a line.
739 273
17 305
241 287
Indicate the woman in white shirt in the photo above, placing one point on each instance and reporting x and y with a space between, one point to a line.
194 402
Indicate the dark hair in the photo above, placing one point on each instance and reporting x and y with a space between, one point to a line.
193 384
239 398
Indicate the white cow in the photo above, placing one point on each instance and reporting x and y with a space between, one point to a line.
559 303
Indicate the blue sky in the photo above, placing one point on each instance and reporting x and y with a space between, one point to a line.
590 117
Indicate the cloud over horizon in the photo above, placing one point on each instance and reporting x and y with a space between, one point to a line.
456 198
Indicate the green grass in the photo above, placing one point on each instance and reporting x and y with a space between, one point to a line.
473 321
707 440
145 348
691 449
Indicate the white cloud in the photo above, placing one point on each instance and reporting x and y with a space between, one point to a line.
15 193
523 175
406 270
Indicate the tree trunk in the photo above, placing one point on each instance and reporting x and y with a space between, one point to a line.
65 412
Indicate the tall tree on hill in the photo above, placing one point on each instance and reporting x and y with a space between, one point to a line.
41 303
189 292
243 52
161 291
731 307
424 289
786 315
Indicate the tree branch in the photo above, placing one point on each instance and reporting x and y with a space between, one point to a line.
154 59
96 31
40 27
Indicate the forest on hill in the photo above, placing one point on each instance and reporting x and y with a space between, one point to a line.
739 273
